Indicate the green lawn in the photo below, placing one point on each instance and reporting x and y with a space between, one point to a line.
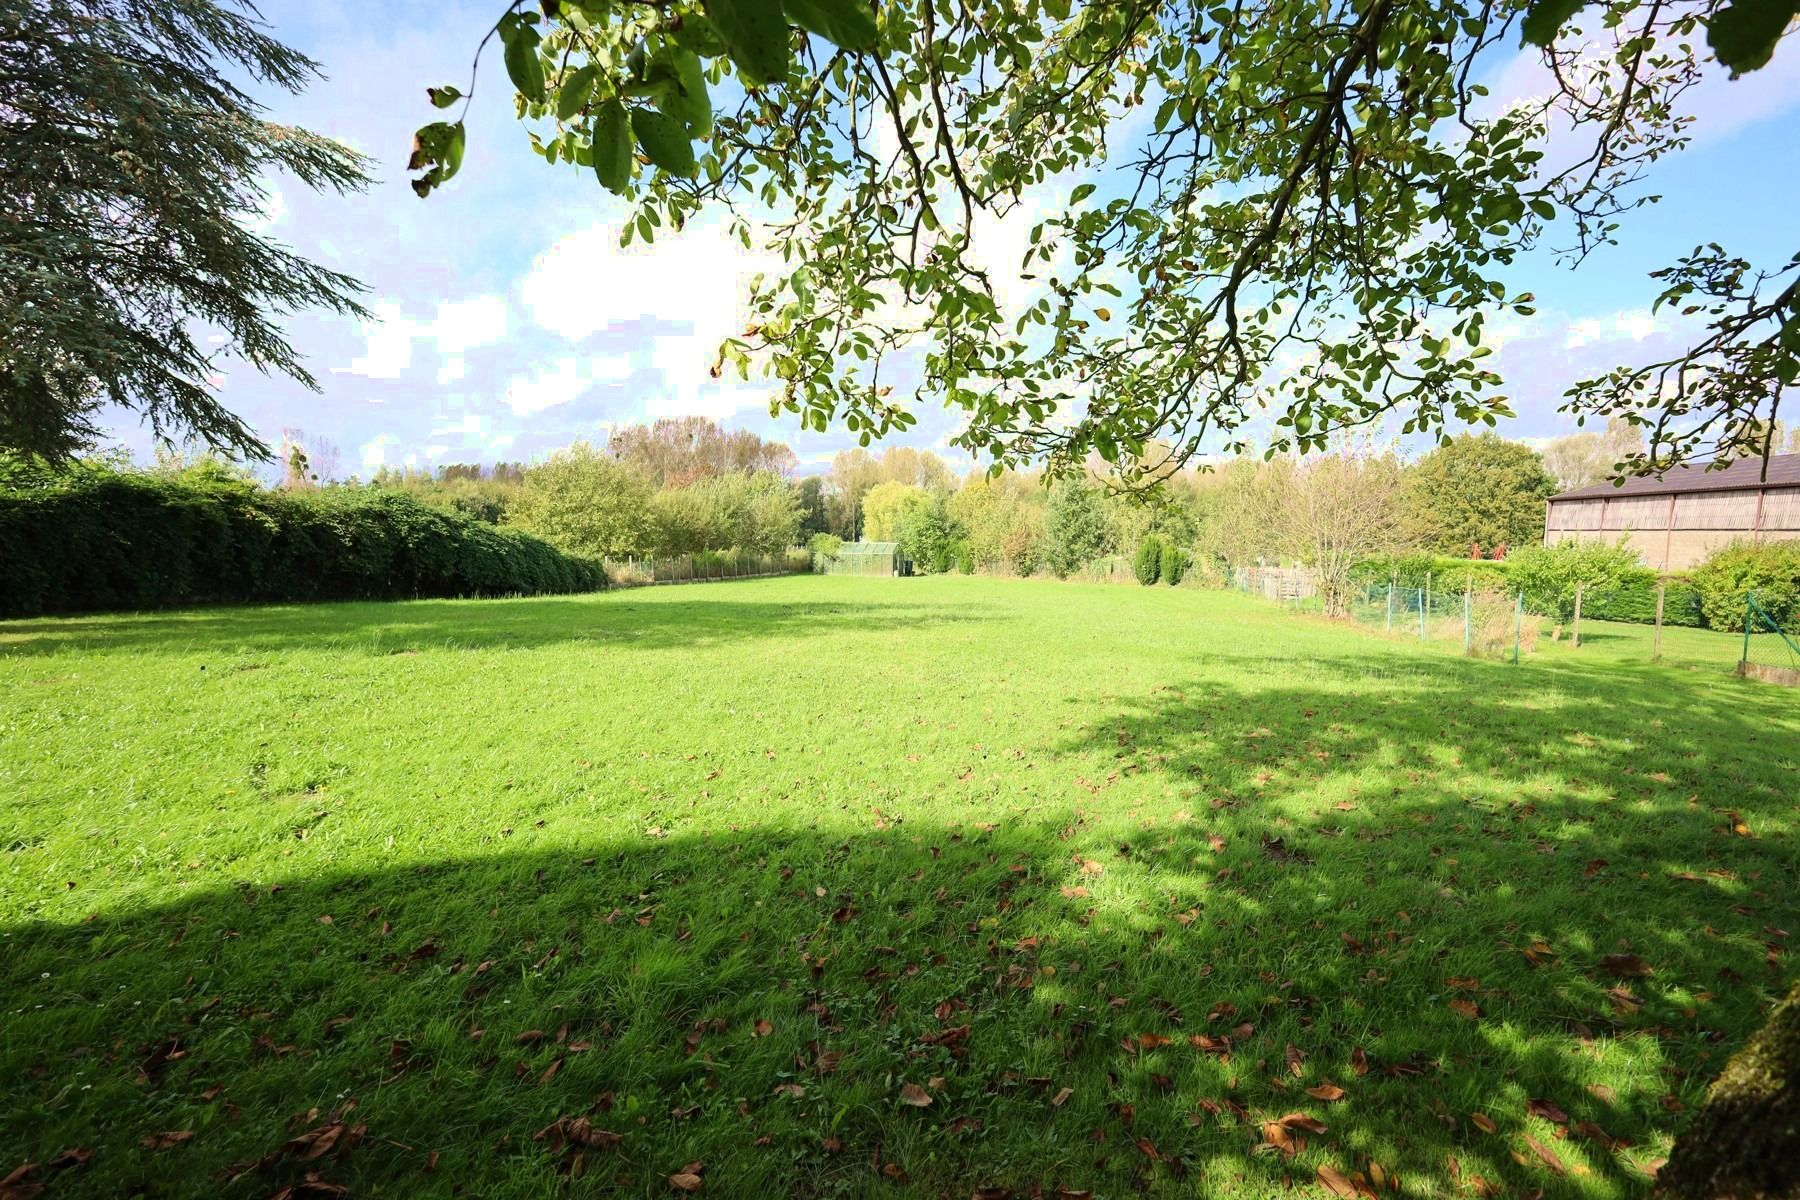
873 887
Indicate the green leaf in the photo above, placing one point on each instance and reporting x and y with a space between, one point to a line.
756 35
612 147
1546 18
1743 34
575 92
694 32
1081 193
438 151
443 97
664 140
453 151
685 98
846 23
524 68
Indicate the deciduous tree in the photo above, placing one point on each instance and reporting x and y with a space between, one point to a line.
1290 206
1477 489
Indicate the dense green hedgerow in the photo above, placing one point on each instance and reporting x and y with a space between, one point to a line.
1634 600
1770 569
97 538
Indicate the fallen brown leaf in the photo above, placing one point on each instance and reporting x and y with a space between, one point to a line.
1547 1110
1335 1183
915 1096
1624 966
168 1139
1547 1155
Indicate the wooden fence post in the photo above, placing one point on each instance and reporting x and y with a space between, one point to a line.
1662 585
1576 639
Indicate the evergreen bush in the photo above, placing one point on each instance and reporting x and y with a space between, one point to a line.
1174 564
1147 566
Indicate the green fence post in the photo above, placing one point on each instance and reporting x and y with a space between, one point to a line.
1749 607
1423 596
1390 613
1468 641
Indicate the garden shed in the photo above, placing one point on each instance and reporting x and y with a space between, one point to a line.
1676 519
868 558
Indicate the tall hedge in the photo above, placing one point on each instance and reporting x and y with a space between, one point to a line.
101 539
1769 569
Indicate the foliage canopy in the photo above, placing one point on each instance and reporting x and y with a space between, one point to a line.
131 162
1478 490
1301 207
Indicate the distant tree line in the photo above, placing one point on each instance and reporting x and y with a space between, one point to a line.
685 486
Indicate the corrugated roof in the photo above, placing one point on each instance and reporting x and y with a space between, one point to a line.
1784 471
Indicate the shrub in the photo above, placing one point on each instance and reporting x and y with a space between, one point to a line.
1441 571
1174 564
1770 569
1147 566
1022 550
1549 575
1074 528
97 538
965 559
1634 600
824 547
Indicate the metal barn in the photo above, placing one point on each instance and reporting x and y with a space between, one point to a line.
1676 519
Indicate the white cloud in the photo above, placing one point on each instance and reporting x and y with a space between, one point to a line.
374 451
696 281
464 324
1631 324
1720 105
587 282
388 351
459 325
560 381
469 423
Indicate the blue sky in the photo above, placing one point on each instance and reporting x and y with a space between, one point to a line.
510 323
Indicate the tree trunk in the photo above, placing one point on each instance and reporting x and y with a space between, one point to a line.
1744 1143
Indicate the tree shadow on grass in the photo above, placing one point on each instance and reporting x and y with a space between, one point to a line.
1602 865
720 612
1401 892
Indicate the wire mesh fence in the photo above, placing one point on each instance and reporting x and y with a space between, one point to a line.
866 558
1663 622
700 568
1489 623
1770 652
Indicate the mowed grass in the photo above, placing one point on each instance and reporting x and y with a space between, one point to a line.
824 886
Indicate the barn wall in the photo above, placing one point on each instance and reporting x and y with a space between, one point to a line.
1702 522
